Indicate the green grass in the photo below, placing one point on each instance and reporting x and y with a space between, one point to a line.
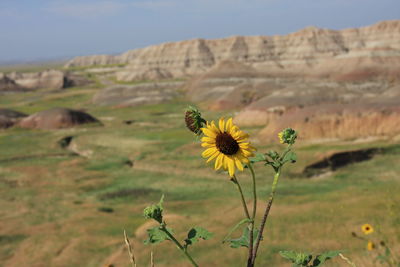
83 68
80 206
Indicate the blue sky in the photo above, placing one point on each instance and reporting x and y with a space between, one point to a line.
51 29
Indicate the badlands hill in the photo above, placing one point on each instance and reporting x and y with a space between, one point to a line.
332 84
336 84
349 54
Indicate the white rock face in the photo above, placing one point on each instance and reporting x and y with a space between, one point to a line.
314 52
53 79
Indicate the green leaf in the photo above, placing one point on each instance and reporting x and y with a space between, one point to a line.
156 235
246 220
298 258
243 241
290 157
259 157
289 255
273 155
387 252
381 259
195 234
320 259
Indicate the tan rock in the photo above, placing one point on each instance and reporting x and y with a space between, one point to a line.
7 84
349 54
56 118
138 94
336 121
9 117
52 79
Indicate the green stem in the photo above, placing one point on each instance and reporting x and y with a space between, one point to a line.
249 260
265 217
236 182
165 230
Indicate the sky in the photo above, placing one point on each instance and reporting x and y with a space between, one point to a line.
54 29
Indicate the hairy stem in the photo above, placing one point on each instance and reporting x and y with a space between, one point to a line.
236 182
165 230
249 259
265 217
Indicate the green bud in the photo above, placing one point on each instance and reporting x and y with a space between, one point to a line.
287 136
194 121
273 154
154 211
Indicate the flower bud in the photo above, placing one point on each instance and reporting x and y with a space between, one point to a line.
154 211
194 121
287 136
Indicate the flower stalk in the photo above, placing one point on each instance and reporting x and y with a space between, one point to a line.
265 217
236 182
177 243
251 236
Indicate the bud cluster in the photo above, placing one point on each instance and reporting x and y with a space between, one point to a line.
287 136
154 211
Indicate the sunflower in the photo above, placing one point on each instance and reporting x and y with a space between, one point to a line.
227 145
370 245
367 229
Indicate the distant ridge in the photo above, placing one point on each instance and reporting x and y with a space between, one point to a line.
311 51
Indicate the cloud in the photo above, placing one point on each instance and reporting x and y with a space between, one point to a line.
86 9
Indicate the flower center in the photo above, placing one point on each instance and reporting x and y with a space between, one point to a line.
226 144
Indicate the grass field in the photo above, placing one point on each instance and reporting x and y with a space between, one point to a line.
60 209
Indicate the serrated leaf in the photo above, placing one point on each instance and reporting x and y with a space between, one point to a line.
243 241
246 220
195 234
290 157
289 255
298 258
387 252
381 259
156 235
259 157
320 259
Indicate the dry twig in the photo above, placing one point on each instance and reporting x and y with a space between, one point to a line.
130 250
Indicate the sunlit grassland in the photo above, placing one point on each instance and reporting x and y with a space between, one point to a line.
62 209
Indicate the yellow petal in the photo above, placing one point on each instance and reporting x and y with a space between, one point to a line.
231 166
222 124
214 128
244 145
208 152
239 136
213 156
225 163
205 144
218 161
238 164
247 153
229 125
209 132
208 139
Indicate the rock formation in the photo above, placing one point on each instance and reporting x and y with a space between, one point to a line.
49 79
336 122
52 79
133 95
9 117
56 118
94 60
7 84
350 54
